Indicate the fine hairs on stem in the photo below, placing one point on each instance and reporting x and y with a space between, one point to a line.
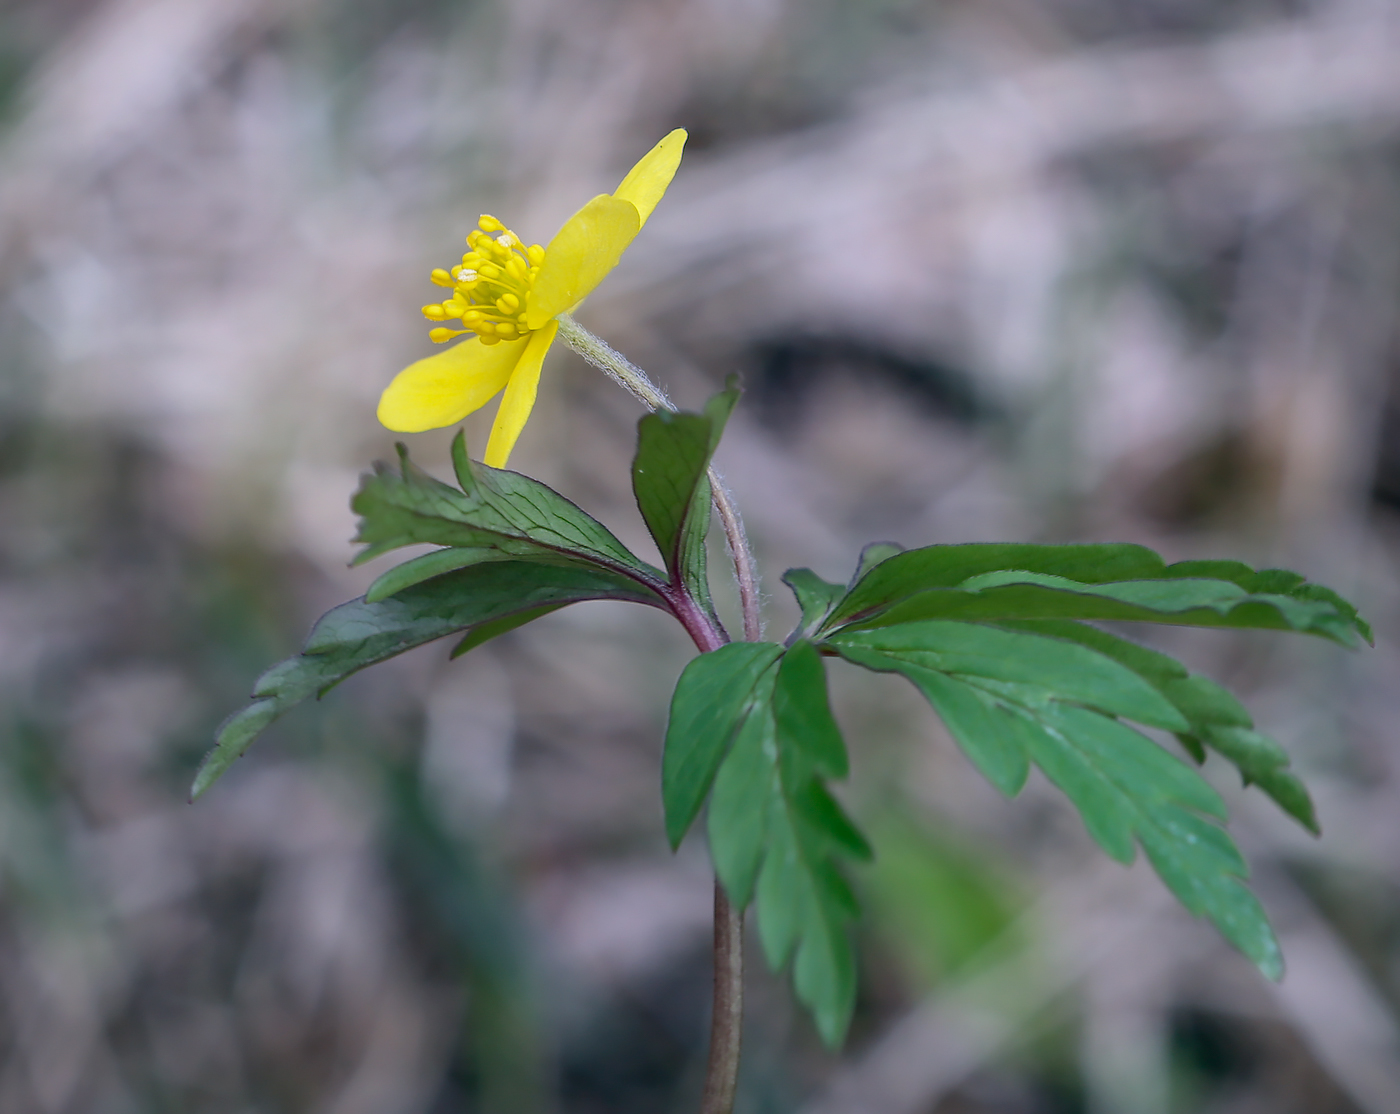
726 1024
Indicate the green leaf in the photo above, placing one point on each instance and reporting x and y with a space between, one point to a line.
804 715
1200 603
357 634
1000 583
946 566
484 632
714 694
1049 668
1217 719
495 509
672 488
1127 789
1274 581
815 596
1290 794
427 566
776 832
873 554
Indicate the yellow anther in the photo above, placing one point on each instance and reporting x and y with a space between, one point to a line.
490 286
437 336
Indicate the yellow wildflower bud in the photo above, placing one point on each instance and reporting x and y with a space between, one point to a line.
441 277
437 336
434 313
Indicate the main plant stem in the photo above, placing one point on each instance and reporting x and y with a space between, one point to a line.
726 1023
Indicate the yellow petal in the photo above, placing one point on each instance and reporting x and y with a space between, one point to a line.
647 181
445 388
519 398
580 256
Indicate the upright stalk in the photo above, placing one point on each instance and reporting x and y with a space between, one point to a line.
726 1022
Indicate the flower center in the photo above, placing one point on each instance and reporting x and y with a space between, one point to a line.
489 287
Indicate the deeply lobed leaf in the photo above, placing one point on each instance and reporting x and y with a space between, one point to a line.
995 637
1127 789
481 599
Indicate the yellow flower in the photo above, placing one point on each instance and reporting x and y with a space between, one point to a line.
509 295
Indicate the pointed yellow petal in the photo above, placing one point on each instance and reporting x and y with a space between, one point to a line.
519 398
647 181
445 388
580 256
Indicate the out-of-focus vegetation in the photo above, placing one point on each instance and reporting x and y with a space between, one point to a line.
1039 269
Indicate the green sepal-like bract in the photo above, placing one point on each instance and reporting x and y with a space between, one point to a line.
672 487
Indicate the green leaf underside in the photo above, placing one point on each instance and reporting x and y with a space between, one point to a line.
484 632
1126 788
358 634
429 565
775 833
672 488
495 509
993 582
1217 720
713 695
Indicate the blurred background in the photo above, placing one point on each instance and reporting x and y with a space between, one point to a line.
991 269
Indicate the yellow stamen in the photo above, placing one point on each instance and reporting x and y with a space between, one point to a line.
490 287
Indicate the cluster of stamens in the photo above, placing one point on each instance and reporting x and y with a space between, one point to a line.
489 287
